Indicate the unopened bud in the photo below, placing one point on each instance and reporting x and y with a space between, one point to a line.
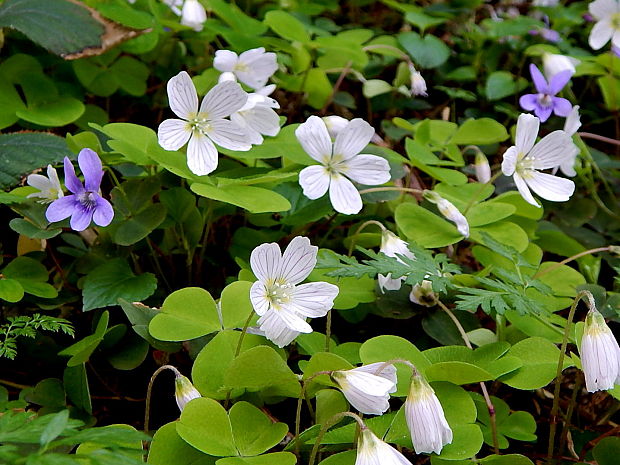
184 391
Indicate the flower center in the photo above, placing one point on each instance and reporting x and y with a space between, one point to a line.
544 100
279 293
87 199
615 20
240 66
200 123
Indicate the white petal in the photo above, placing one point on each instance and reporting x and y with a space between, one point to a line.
223 100
225 60
524 190
572 122
253 137
527 131
193 15
276 330
603 8
298 261
366 169
256 67
509 163
263 120
335 124
293 321
314 180
368 383
173 134
568 165
258 297
201 155
599 361
265 261
392 245
314 300
366 403
554 63
601 33
314 138
352 139
343 195
550 187
551 150
52 174
447 209
228 134
39 181
227 76
182 96
387 283
387 372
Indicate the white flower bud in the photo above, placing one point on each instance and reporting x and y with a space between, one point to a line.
193 15
425 418
49 187
448 210
367 389
372 451
418 84
227 76
392 245
482 167
600 354
554 63
184 391
335 124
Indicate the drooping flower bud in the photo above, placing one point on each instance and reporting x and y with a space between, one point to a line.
425 418
600 354
418 84
482 167
366 388
448 210
193 15
392 245
184 390
371 451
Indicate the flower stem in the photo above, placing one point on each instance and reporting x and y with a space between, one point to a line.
149 390
483 387
302 395
244 330
608 248
359 230
328 330
556 391
328 424
589 135
391 188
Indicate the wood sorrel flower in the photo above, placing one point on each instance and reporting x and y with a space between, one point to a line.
368 388
258 118
205 125
184 390
282 304
49 187
425 418
545 102
392 246
482 167
339 161
447 209
600 354
607 16
523 160
253 67
571 125
85 203
373 451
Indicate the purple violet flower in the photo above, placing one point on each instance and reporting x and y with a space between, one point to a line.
85 204
545 102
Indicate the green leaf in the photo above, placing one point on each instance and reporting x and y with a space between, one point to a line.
204 424
286 26
29 229
59 112
505 232
606 451
113 280
81 351
54 428
75 382
488 212
481 131
424 227
253 199
538 371
31 275
168 447
457 372
262 369
186 314
130 140
500 84
60 26
235 304
137 227
11 290
253 431
22 153
276 458
374 87
427 52
508 459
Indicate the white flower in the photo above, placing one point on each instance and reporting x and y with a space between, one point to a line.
447 209
607 15
600 354
253 67
205 125
545 2
571 125
373 451
49 187
282 304
423 294
193 15
425 418
184 390
258 118
554 63
392 245
335 124
482 167
523 160
339 161
367 389
418 84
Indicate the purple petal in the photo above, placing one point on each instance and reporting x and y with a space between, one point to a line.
529 102
539 80
81 218
61 208
561 106
71 180
90 164
103 212
543 113
559 80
